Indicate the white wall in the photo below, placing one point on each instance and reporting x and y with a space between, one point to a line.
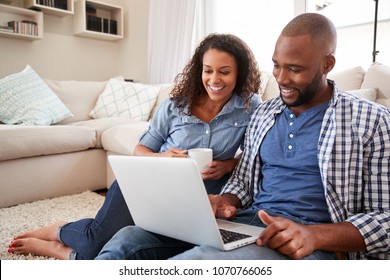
63 56
354 49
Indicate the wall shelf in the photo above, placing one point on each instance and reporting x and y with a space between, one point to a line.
97 20
28 17
40 5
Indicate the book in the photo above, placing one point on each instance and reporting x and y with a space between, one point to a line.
25 27
59 4
113 27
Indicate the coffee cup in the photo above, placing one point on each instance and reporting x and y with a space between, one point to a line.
202 156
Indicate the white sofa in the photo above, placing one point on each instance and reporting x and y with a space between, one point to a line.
39 162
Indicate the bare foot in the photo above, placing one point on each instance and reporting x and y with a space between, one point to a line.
49 233
39 247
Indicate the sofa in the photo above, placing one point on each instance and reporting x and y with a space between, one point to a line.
70 156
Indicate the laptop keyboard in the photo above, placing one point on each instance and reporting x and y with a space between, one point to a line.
231 236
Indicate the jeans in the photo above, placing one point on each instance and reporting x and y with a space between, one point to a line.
134 243
87 236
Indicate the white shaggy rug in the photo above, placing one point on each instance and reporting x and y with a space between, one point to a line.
24 217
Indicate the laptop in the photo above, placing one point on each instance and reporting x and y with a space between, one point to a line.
167 196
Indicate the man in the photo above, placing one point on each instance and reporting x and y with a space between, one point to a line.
314 171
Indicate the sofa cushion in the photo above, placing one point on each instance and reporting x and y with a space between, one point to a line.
26 99
79 96
125 99
270 88
378 76
122 139
348 79
165 90
367 93
28 141
100 125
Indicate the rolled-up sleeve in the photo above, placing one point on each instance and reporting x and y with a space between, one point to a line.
158 130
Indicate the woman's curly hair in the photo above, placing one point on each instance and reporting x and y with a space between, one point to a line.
189 85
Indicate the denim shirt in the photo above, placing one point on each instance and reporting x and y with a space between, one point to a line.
170 128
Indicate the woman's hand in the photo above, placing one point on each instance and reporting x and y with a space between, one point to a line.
218 168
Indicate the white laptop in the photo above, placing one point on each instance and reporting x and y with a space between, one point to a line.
167 196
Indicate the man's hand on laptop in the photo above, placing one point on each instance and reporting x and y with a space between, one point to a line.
224 206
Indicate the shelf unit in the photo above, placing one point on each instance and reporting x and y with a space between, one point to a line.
39 6
103 11
10 13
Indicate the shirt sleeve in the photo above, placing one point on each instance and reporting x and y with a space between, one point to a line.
374 221
158 130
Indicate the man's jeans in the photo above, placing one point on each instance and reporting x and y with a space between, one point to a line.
135 243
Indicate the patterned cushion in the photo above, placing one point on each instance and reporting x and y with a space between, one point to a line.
125 99
26 99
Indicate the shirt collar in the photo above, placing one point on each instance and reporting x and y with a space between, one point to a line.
335 95
235 102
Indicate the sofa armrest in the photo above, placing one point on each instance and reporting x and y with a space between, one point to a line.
122 139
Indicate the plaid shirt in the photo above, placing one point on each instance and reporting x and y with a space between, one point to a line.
354 161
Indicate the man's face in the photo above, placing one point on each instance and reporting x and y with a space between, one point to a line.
297 69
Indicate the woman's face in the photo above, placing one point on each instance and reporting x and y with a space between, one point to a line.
219 75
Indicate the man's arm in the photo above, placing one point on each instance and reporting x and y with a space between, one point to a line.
297 240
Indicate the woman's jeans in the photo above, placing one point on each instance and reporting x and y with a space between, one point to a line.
87 236
132 242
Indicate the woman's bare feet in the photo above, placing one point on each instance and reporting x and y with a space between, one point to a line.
48 233
39 247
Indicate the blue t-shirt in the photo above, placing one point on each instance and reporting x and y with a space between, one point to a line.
171 128
291 184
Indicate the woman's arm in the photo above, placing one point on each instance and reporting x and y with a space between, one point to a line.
141 150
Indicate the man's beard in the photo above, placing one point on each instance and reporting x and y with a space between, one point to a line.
310 92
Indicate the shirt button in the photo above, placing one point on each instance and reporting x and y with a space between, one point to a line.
235 124
291 123
291 135
291 115
207 132
289 147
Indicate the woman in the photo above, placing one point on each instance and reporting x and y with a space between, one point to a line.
209 107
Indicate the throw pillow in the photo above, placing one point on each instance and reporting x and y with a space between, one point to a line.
26 99
348 79
125 99
367 93
378 76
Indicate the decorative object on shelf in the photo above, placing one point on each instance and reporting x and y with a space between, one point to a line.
54 7
98 20
20 23
59 4
23 27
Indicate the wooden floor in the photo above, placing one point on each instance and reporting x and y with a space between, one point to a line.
101 192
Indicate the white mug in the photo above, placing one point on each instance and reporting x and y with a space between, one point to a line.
202 156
